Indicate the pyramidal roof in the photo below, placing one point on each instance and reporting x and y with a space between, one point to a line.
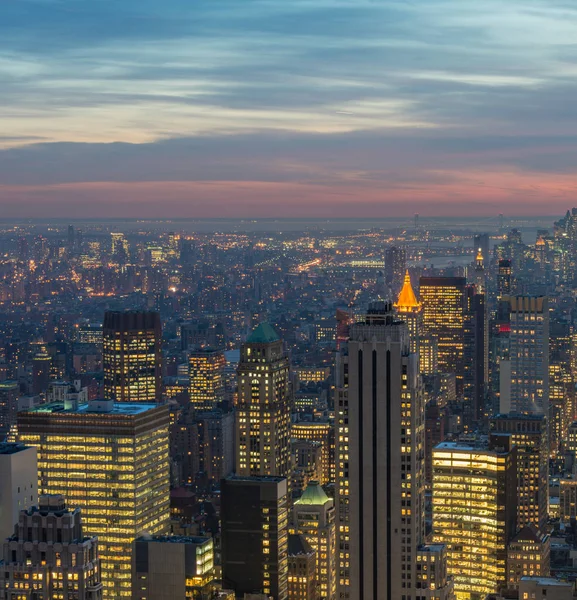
407 299
263 334
314 494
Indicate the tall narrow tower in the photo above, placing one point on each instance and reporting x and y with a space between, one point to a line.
380 454
410 310
263 410
529 353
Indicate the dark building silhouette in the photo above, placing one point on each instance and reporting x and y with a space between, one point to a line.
254 516
395 267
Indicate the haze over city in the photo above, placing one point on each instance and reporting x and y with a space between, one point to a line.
260 108
288 300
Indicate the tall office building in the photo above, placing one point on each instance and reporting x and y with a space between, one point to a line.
131 356
561 383
18 485
119 249
479 273
380 460
410 311
206 373
254 535
529 434
263 408
481 243
41 365
529 356
504 278
476 356
395 266
171 567
216 436
9 394
111 460
474 513
313 517
445 309
48 556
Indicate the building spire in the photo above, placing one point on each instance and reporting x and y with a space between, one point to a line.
480 259
407 301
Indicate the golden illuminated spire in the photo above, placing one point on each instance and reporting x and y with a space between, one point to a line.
479 258
407 301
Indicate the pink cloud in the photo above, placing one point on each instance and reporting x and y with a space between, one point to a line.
442 193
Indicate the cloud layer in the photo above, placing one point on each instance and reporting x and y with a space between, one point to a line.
267 108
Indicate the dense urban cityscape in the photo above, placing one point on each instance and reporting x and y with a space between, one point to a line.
259 409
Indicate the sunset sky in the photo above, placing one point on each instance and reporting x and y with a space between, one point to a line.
271 108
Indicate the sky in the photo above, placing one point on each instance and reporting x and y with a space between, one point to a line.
287 108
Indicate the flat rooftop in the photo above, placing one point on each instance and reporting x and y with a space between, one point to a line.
547 581
174 539
7 448
478 447
259 479
95 407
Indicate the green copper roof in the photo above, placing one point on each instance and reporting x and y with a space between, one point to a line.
314 494
263 334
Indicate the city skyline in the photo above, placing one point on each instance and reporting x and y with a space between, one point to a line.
257 109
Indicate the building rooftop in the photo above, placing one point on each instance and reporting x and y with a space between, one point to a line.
95 407
7 448
512 416
480 446
529 533
407 299
8 384
263 334
174 539
314 495
258 479
298 545
548 581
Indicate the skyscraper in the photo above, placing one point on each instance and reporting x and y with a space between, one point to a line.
410 311
504 283
474 513
479 273
444 314
395 266
206 373
481 242
314 518
529 434
263 409
48 555
380 460
529 356
9 394
119 248
132 356
111 460
254 533
476 355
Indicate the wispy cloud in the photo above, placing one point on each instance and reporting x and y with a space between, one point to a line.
306 92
